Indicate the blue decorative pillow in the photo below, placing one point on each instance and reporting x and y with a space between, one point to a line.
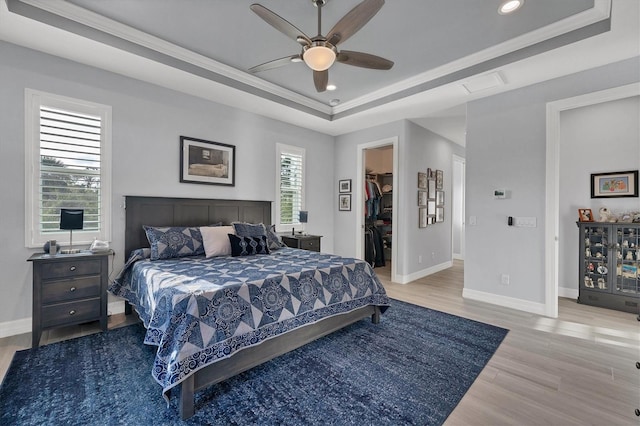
174 241
248 246
249 229
275 242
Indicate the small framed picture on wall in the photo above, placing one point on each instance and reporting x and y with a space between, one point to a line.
344 185
344 202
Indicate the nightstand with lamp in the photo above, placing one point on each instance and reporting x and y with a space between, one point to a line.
301 240
71 287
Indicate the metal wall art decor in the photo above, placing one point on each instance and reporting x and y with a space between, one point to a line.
423 217
422 180
439 179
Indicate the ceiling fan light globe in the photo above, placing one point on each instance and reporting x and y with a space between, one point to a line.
319 58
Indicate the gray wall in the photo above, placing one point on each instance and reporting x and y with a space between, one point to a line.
595 139
418 149
147 123
506 148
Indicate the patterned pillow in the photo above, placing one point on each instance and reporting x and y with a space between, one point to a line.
275 242
249 229
248 246
174 241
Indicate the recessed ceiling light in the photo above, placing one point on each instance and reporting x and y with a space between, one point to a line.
510 6
331 87
334 102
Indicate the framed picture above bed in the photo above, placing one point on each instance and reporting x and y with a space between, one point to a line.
202 161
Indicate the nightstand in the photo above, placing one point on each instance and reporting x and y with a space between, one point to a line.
69 289
305 242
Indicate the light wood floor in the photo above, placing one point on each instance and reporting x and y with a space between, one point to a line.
578 369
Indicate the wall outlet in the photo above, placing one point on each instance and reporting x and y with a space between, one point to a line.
504 279
419 258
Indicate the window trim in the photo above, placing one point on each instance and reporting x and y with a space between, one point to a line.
33 100
295 150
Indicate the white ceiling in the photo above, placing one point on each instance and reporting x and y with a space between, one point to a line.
441 49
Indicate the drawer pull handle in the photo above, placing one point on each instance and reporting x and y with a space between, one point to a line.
73 268
72 312
72 289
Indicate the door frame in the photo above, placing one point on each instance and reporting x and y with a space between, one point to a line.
552 211
359 200
462 161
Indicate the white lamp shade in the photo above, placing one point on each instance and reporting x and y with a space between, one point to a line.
319 58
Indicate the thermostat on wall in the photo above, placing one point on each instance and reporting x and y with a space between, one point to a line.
499 193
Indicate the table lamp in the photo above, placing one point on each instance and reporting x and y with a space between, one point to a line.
303 217
71 219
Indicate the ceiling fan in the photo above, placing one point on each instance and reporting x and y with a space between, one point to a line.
320 52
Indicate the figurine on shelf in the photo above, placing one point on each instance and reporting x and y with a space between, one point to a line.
587 242
619 255
606 215
588 282
587 252
629 255
601 283
625 243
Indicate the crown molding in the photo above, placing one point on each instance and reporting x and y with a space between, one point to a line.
600 11
101 23
96 22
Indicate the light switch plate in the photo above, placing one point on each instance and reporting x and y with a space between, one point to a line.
525 222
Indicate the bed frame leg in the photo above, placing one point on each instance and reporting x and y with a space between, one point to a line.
375 318
187 408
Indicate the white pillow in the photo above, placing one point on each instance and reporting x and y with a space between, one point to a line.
216 240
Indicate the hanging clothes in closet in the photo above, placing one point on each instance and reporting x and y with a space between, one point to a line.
373 199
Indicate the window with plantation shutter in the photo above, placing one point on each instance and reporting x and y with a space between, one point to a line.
68 166
290 186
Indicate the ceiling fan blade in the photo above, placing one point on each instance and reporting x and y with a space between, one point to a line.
364 60
280 24
320 79
353 21
276 63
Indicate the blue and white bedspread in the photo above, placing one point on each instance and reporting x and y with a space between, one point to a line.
199 311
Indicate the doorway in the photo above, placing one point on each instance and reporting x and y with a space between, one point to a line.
457 208
376 195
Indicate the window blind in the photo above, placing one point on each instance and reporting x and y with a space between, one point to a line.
291 187
69 167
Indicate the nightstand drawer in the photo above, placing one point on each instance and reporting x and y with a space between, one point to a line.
79 288
71 312
310 244
71 268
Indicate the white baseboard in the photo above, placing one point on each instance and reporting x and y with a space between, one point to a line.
506 301
21 326
404 279
569 293
12 328
116 307
458 256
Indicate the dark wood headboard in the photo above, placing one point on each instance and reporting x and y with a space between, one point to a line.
160 211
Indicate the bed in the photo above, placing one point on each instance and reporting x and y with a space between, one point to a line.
214 318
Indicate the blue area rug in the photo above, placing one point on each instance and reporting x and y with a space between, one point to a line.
412 368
